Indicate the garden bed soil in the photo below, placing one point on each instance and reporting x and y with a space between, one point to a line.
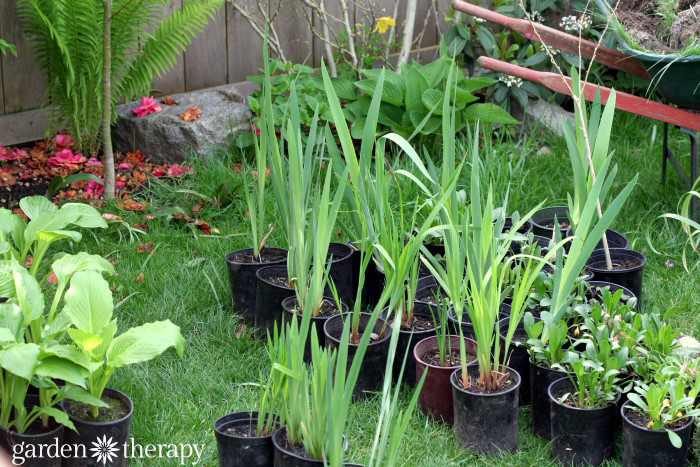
116 411
645 26
433 358
266 256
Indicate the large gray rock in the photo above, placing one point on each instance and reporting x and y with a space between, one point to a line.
545 115
164 138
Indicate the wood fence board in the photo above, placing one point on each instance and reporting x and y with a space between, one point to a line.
206 59
2 94
293 31
23 82
245 46
337 28
174 81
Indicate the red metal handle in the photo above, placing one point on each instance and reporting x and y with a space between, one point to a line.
558 40
623 101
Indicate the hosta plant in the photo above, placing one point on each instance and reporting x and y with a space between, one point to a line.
89 308
47 224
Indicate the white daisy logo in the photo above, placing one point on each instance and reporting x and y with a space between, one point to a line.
105 450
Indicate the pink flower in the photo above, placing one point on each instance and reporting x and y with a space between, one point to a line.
125 165
64 141
94 189
256 129
111 217
119 185
12 155
52 278
92 162
148 105
254 173
66 158
176 170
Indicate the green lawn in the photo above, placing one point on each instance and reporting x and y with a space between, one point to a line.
185 280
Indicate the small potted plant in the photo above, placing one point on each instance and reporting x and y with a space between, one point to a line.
584 404
657 423
89 308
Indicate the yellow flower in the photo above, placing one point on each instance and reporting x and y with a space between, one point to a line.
383 24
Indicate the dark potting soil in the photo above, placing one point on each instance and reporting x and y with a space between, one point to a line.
646 27
37 428
297 449
10 196
241 431
116 410
275 278
642 419
433 297
266 256
433 358
507 384
627 263
419 324
570 401
563 225
327 310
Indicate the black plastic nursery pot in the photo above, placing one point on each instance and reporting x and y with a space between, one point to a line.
408 338
435 397
543 221
341 272
235 444
543 242
295 456
430 294
35 438
241 275
289 305
628 269
89 431
642 447
272 289
519 358
525 229
374 280
371 375
615 240
467 328
540 379
435 249
613 288
485 422
581 436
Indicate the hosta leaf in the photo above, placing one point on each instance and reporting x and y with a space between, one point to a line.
144 343
20 359
488 113
68 265
89 302
85 215
34 206
432 99
60 368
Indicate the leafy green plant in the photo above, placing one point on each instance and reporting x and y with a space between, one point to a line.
47 224
663 404
442 331
255 198
690 226
7 47
31 347
89 308
70 53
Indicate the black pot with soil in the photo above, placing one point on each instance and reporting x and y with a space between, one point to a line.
596 293
273 288
430 295
540 379
371 375
486 422
615 240
423 326
435 398
112 423
288 455
328 309
524 229
341 272
374 280
237 442
242 267
642 447
580 436
519 358
627 271
543 221
34 438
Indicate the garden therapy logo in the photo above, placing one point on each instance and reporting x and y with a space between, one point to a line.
106 451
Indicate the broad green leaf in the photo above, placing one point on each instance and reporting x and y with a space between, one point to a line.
20 359
49 237
59 415
87 341
78 394
86 215
344 89
488 113
416 85
28 294
71 353
476 84
89 302
10 317
392 93
144 343
35 206
60 368
6 335
434 72
674 438
68 265
432 99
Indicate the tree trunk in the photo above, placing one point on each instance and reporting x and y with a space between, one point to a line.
407 34
107 100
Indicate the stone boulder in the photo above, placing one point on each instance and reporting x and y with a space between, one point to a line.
164 138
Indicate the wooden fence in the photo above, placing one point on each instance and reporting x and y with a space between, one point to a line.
227 51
